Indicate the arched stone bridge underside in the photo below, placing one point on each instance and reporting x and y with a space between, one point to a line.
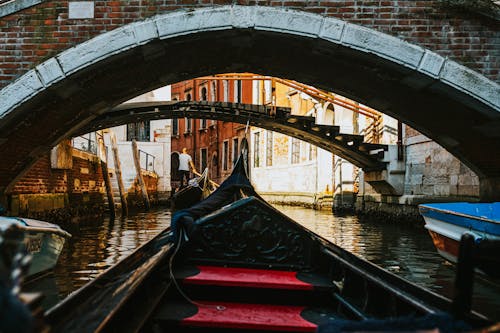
348 146
449 103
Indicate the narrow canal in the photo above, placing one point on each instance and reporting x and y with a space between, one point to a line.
400 248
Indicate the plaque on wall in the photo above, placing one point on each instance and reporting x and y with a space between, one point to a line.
80 9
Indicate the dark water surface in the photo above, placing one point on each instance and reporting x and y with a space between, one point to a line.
402 249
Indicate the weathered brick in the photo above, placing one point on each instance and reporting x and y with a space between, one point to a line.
401 18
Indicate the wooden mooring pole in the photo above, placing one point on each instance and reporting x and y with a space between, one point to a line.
137 163
118 173
103 157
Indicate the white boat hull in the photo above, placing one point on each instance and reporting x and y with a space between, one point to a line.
43 240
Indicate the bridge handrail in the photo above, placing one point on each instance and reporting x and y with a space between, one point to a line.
91 145
148 157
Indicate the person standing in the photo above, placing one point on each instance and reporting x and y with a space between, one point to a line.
185 163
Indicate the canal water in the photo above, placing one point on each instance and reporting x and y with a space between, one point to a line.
402 249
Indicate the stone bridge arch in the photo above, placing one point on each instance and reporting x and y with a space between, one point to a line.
455 106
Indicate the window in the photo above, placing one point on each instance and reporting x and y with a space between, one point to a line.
203 94
237 91
189 125
203 124
225 87
267 91
203 160
235 150
225 154
175 126
295 150
313 152
213 91
256 152
269 148
138 131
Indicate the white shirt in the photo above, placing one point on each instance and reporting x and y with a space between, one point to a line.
184 160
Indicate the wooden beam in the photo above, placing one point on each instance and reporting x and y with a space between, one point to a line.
142 184
103 158
118 173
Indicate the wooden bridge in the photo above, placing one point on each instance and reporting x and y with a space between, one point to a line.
279 119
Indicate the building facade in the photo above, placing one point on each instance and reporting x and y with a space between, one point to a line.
287 170
212 144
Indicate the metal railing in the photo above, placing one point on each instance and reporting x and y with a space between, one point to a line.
147 161
85 143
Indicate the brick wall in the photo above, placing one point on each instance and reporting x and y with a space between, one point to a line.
134 197
60 195
32 35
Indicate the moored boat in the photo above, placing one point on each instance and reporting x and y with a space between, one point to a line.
43 240
447 222
233 263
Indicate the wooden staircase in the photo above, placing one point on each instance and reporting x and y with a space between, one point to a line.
231 299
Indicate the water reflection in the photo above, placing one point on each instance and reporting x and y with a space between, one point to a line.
94 247
400 248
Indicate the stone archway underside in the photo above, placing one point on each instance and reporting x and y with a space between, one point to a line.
452 105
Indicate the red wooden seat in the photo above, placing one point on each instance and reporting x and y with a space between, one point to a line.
246 277
244 316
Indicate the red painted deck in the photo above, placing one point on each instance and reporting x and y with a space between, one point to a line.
245 277
251 316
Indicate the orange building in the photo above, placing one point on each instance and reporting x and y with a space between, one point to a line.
211 143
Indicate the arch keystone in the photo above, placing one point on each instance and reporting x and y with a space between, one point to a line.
243 16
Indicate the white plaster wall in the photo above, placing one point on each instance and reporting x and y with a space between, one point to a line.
287 182
325 171
285 178
157 149
120 132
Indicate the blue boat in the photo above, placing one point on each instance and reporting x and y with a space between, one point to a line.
43 240
447 222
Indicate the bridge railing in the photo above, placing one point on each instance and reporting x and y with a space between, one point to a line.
147 161
85 143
